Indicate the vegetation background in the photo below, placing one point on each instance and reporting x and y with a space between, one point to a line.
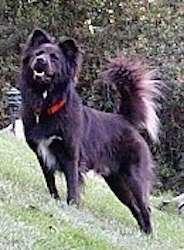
152 29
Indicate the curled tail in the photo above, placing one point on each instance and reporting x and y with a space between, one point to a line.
138 92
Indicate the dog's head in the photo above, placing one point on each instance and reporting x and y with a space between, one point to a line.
50 63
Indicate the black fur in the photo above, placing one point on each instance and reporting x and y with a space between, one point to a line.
77 138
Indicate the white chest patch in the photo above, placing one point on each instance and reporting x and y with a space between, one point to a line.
44 152
45 94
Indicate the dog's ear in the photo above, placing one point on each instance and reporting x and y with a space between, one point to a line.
74 54
69 48
38 37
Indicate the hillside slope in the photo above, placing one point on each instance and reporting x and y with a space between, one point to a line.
30 219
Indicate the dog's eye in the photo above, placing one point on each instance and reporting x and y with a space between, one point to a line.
39 53
54 56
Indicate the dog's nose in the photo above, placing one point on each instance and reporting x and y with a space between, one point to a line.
41 60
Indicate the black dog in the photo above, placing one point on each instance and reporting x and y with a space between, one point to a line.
72 138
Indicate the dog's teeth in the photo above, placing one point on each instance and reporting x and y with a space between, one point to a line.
45 94
39 74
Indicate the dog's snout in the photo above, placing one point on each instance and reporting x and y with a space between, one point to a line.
42 60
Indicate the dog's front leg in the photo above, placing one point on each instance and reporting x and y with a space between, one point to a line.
49 178
72 180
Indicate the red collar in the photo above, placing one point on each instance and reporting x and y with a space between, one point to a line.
56 107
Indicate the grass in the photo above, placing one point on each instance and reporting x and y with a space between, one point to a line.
31 220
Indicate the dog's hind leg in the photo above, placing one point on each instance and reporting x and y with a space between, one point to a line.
50 179
123 192
139 189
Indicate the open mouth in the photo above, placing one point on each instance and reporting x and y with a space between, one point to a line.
38 74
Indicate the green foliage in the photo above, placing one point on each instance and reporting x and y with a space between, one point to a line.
150 29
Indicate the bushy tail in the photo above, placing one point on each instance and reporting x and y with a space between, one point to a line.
138 92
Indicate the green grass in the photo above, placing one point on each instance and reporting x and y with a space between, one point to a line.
30 219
